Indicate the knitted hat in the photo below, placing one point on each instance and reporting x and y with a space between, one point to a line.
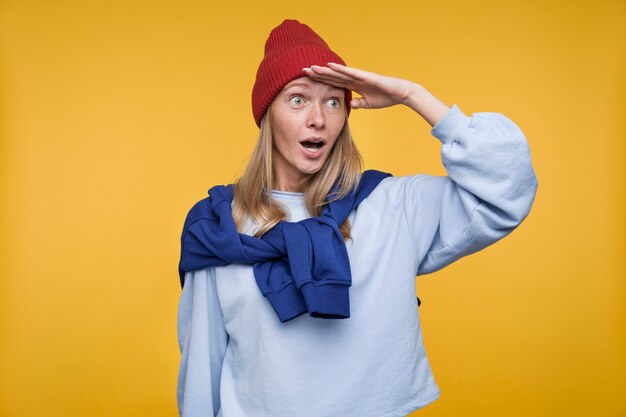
290 47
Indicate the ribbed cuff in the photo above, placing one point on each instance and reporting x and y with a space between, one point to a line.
288 303
330 301
453 121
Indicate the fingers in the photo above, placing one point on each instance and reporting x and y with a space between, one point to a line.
329 80
332 80
359 103
351 72
327 73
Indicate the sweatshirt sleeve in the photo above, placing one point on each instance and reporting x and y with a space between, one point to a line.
202 340
489 190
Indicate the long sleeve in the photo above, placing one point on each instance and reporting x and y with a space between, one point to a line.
489 190
202 340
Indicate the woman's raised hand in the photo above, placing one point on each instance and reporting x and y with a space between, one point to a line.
377 91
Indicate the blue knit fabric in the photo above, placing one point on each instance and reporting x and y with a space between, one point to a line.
300 267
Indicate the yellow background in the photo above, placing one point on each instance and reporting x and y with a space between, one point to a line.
117 116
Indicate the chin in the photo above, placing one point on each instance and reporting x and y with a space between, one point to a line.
311 170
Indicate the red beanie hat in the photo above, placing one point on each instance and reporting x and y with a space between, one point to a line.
290 47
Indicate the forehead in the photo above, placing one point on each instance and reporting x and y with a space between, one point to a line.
307 82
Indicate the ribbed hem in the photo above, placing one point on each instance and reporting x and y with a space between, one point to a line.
453 121
330 301
288 303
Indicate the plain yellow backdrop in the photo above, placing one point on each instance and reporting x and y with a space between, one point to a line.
117 116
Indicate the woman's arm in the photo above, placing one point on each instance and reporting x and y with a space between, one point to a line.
426 105
491 183
489 190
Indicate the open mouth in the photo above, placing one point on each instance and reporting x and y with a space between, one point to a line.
312 145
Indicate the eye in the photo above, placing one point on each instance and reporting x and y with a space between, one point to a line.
297 100
334 103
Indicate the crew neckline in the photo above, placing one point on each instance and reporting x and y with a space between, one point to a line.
287 195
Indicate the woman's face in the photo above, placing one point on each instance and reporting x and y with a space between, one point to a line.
307 117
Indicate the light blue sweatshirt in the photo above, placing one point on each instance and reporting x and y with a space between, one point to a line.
238 360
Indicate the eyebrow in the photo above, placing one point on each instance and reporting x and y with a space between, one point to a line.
297 85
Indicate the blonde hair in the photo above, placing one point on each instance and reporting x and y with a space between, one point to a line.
252 191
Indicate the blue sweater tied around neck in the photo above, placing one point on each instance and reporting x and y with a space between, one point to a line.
299 266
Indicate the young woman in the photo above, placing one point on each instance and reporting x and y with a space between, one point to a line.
299 279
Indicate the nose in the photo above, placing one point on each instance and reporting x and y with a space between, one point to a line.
316 116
